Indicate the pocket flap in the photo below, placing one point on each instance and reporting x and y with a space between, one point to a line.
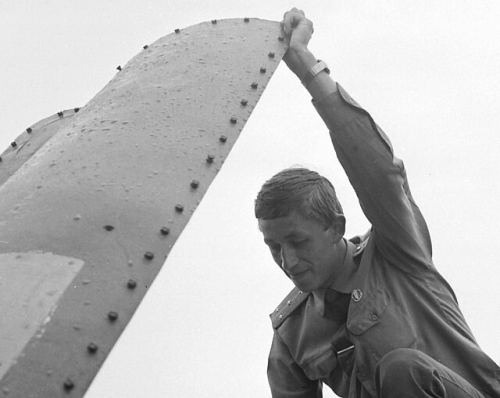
366 314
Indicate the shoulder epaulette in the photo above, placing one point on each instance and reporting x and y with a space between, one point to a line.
291 302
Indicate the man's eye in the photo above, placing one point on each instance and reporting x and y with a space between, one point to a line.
298 243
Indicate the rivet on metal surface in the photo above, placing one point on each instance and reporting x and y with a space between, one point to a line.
246 20
68 384
179 208
254 85
244 102
195 184
113 316
131 284
13 144
109 227
92 348
233 120
29 130
145 47
210 158
119 67
149 256
214 21
263 70
177 31
164 230
223 138
271 55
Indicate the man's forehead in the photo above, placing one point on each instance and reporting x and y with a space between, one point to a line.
285 227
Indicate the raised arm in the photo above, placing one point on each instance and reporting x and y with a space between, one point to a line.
365 152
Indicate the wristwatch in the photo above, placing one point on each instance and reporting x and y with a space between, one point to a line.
311 73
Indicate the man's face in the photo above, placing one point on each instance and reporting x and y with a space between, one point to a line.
304 249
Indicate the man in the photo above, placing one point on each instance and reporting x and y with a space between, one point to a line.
370 316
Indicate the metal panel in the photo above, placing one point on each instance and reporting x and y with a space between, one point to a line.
113 189
31 141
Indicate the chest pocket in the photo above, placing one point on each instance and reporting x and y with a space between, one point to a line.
367 313
378 325
320 366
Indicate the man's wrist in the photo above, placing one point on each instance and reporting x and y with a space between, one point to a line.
299 60
313 72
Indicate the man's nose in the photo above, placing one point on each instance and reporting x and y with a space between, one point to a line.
288 259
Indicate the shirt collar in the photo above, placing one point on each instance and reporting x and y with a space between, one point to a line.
343 283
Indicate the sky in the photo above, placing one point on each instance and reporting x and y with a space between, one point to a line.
426 71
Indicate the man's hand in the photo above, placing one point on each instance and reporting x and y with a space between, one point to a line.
297 28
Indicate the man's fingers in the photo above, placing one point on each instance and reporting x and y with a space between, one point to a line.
291 19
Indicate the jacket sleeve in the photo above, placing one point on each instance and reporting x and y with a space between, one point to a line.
286 378
379 180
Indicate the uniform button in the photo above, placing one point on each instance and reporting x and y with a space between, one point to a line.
280 317
374 317
289 302
356 295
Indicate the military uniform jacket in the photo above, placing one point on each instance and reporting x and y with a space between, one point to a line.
399 299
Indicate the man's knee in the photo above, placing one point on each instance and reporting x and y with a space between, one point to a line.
407 372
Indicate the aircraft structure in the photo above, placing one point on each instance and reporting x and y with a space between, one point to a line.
94 198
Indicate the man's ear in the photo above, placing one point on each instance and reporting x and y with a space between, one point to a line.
337 228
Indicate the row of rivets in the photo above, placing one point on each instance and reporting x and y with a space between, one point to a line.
29 130
92 348
214 22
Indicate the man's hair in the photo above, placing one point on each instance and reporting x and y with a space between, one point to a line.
298 190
